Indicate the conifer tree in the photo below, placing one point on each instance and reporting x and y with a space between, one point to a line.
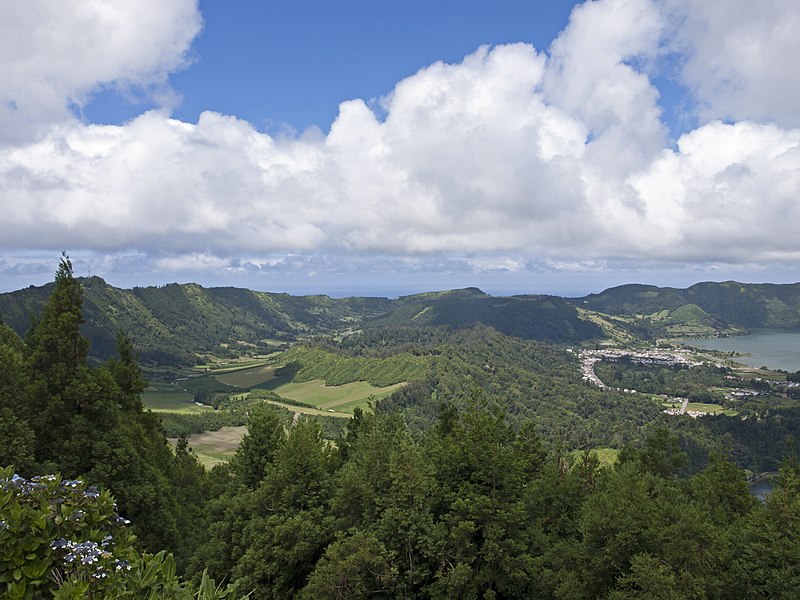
56 347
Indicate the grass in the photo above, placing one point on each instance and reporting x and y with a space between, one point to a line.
214 447
248 377
606 324
343 398
607 456
750 372
166 397
305 410
690 329
713 409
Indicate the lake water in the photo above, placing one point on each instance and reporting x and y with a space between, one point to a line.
761 488
775 348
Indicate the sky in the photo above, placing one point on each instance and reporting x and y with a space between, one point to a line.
386 148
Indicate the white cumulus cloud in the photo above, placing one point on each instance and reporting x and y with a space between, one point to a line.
512 157
54 53
741 57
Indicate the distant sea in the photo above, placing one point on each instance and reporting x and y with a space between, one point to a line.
774 348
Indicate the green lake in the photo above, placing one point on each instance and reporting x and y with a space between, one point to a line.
774 348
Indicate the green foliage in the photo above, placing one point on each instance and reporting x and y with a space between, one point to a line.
177 425
474 508
532 381
357 566
464 483
59 414
18 440
263 439
760 442
661 455
170 325
64 538
57 350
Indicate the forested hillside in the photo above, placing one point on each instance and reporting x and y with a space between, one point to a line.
171 324
729 307
59 415
544 318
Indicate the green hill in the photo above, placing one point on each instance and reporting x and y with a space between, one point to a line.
702 309
546 318
172 324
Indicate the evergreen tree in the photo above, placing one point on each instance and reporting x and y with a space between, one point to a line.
56 348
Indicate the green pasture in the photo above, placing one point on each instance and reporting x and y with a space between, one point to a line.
694 330
342 398
605 322
247 377
166 397
750 372
714 409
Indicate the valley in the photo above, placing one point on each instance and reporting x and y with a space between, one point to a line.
361 430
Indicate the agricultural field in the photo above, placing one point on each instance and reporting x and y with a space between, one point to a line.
714 409
606 322
168 397
342 398
214 447
247 377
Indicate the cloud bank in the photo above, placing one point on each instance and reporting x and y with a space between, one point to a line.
511 157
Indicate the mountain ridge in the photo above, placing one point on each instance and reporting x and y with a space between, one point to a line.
174 323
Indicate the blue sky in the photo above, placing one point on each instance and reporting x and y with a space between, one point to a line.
279 64
389 148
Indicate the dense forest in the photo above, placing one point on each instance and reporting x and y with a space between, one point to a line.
465 483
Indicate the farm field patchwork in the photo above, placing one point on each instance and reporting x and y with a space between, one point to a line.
340 399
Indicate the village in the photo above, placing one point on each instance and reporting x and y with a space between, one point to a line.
678 357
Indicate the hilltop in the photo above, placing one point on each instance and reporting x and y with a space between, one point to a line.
704 309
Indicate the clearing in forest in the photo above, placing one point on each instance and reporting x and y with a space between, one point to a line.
213 447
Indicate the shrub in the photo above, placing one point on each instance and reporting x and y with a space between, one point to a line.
64 538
